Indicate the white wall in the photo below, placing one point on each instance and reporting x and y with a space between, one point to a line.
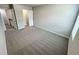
3 50
25 16
57 19
19 14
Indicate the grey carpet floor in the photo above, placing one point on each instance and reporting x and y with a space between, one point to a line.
35 41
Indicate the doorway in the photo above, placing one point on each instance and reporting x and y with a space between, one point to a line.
27 17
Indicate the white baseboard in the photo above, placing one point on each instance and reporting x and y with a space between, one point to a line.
62 35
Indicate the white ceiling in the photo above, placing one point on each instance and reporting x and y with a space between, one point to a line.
33 5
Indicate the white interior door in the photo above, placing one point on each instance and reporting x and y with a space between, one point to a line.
25 16
3 50
30 16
